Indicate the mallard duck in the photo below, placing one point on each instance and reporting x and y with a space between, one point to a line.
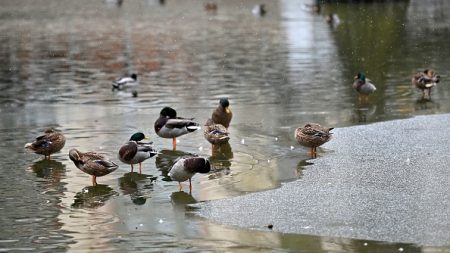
215 133
363 86
186 167
92 163
135 151
212 7
125 82
168 125
51 142
425 81
259 10
222 114
312 135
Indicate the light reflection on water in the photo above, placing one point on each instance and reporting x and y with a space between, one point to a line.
59 58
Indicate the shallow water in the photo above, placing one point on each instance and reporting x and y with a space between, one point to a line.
58 59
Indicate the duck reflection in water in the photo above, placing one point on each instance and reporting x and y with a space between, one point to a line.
137 185
363 112
93 196
302 164
181 199
48 169
220 160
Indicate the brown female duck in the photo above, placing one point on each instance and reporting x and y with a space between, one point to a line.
92 163
222 114
312 135
51 142
216 134
425 81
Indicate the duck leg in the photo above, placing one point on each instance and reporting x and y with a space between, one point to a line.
180 186
140 168
131 167
190 186
94 181
174 143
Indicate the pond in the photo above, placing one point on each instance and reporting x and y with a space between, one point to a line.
59 58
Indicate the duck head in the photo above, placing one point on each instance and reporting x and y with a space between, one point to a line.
139 136
168 112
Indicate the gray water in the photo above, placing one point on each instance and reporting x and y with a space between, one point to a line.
58 59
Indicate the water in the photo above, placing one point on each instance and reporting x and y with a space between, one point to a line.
58 59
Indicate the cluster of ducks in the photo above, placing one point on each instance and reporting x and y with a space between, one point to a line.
422 80
169 125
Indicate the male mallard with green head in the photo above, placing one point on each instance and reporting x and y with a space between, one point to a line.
186 167
312 135
222 114
168 125
363 86
425 81
216 134
92 163
51 142
135 151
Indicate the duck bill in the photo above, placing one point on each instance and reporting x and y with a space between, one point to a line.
227 110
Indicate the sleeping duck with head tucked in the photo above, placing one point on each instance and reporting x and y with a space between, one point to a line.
134 151
313 135
425 81
51 142
168 125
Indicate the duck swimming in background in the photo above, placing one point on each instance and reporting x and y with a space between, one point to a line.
168 125
125 82
259 10
363 86
186 167
135 151
216 134
211 7
425 81
222 114
92 163
51 142
312 135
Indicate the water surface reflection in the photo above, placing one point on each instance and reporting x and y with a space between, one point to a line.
279 71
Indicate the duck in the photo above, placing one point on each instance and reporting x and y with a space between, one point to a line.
216 134
125 82
51 142
168 125
134 151
363 86
186 167
313 135
92 163
425 81
211 7
222 114
259 10
333 19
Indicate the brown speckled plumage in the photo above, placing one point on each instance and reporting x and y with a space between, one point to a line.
51 142
312 135
215 133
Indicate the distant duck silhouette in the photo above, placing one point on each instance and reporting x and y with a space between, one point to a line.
168 125
259 10
186 167
125 82
51 142
312 135
333 19
135 151
425 81
211 7
222 114
363 86
92 163
118 3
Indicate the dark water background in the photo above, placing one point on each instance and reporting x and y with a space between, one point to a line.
57 61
